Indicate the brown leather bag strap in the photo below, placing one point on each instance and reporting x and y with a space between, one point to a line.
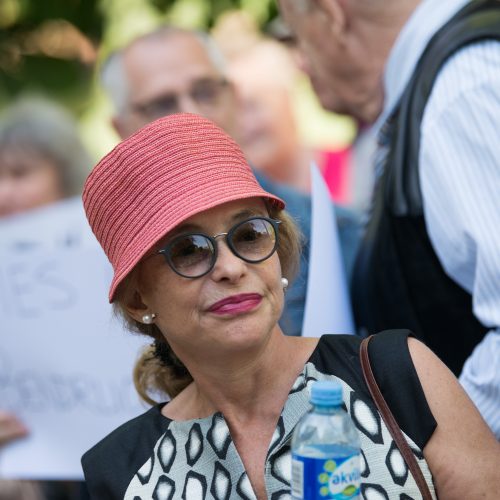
390 421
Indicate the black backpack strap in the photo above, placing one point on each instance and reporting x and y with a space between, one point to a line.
479 20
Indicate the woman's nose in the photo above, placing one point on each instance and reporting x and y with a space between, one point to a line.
227 266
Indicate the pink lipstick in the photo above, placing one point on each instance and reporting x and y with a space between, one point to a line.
236 304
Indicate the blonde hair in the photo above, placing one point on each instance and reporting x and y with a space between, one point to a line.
158 370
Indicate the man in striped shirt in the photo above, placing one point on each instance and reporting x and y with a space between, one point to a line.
430 259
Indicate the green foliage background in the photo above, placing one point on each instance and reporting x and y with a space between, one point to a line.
105 23
36 57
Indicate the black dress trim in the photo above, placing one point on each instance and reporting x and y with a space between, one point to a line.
394 371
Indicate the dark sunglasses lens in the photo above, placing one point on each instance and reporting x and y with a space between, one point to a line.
254 240
192 255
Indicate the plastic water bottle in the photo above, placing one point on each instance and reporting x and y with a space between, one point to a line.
325 448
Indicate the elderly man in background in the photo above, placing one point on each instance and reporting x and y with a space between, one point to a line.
428 74
173 70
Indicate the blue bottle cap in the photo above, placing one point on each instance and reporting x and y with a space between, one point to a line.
326 393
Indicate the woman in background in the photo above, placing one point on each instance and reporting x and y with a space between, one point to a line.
42 161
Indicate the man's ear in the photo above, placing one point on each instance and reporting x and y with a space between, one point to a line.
335 14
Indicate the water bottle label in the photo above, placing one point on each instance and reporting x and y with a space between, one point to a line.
319 478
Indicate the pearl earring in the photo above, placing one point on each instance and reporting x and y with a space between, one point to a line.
148 319
284 283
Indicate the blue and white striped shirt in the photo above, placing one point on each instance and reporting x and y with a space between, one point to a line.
460 179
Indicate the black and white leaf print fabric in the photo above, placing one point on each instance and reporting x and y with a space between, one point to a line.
197 460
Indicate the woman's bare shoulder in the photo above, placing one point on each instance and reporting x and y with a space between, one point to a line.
462 441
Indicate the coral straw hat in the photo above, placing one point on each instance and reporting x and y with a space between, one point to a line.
166 172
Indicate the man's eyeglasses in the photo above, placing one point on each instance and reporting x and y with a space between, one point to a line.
194 255
205 93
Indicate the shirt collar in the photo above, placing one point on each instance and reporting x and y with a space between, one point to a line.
424 22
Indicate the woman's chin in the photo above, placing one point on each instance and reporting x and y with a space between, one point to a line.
246 334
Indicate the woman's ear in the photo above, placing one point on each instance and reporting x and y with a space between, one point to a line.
136 308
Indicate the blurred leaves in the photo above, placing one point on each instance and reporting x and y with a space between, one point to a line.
28 14
212 9
51 46
48 46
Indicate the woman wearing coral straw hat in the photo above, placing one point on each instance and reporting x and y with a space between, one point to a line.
201 257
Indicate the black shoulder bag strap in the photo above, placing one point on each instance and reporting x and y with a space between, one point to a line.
390 421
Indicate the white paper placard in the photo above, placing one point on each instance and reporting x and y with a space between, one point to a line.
65 362
59 225
328 308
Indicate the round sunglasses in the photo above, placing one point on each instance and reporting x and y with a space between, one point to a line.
193 255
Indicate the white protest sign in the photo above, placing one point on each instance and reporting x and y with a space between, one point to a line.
65 362
328 308
59 225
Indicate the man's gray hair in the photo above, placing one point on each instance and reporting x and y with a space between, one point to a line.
113 76
42 127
